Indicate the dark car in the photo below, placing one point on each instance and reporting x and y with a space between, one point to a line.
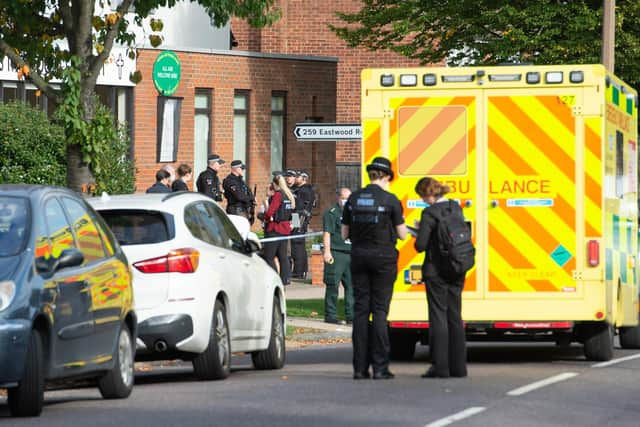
66 302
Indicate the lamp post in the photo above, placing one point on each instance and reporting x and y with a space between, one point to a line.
608 34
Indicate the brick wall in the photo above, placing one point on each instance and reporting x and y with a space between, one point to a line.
310 88
303 30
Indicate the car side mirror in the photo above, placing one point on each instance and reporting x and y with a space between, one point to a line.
68 258
253 243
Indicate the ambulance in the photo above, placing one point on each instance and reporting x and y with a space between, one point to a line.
544 163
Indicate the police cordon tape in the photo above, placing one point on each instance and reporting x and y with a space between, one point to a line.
290 237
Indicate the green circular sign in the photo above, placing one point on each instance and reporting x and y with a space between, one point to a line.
166 73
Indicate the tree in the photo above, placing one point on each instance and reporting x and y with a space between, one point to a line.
488 32
33 35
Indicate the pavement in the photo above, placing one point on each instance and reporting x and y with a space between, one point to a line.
309 330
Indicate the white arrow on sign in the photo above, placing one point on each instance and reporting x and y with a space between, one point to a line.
327 132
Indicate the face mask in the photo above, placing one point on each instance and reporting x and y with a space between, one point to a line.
342 203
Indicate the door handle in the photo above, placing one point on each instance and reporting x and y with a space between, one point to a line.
246 263
222 256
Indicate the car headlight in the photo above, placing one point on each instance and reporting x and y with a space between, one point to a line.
7 292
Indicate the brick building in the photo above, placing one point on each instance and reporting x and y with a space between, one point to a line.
303 30
233 104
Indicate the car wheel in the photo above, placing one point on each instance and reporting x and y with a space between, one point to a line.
630 337
118 382
215 362
274 356
26 400
599 344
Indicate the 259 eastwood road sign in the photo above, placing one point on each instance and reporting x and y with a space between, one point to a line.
327 132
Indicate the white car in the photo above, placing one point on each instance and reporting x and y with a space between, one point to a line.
201 289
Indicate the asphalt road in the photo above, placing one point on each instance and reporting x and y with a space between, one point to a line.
508 385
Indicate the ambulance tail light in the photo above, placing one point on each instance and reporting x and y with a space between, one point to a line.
593 253
183 260
409 325
533 325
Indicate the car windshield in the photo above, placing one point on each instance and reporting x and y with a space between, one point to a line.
14 225
137 227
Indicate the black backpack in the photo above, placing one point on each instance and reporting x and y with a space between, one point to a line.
457 253
284 210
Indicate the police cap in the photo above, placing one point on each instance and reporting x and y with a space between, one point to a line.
215 158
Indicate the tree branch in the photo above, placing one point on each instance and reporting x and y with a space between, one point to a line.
33 75
67 23
96 62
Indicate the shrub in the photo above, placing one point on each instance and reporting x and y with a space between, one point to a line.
32 149
114 171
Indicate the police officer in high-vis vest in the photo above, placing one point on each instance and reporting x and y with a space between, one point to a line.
337 261
372 219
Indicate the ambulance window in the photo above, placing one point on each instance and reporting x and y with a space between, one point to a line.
432 140
619 164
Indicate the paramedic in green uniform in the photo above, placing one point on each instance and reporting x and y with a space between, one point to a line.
337 261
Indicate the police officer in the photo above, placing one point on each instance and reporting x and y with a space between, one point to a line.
240 199
337 261
372 219
290 178
305 200
208 182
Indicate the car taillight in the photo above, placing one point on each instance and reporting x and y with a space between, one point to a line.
183 260
593 253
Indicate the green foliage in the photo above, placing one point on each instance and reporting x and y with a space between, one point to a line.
312 308
32 150
70 112
113 170
487 32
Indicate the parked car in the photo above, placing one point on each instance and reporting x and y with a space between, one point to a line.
202 291
66 301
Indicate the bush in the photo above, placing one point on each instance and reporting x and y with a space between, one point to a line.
113 170
32 149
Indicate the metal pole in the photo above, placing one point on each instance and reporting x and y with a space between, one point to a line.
608 34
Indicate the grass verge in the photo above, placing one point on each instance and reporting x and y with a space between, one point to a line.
311 308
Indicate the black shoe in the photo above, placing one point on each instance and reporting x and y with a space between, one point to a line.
383 375
431 373
361 375
335 321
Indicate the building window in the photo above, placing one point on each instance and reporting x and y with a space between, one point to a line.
278 139
201 129
348 175
241 127
9 91
168 128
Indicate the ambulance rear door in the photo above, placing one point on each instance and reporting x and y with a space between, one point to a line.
534 185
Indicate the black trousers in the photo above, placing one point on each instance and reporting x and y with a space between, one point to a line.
299 256
446 330
271 250
372 276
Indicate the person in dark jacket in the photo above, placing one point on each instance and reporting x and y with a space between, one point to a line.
372 219
185 173
162 183
239 197
277 225
208 181
305 200
447 345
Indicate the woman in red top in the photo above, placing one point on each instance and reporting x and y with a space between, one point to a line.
277 223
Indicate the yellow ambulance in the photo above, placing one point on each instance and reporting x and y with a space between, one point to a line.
544 162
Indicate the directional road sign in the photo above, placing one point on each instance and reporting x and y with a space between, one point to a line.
327 132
